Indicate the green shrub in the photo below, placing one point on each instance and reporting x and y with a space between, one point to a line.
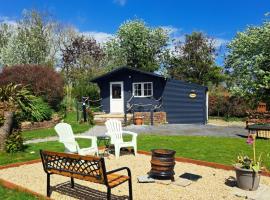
90 117
14 142
41 107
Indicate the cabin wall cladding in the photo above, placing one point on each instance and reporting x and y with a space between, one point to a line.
158 118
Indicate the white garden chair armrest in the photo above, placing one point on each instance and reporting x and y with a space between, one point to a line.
130 133
93 138
86 137
134 135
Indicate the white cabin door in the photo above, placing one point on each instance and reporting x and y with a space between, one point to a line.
116 97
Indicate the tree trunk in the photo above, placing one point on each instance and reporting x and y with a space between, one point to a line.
5 129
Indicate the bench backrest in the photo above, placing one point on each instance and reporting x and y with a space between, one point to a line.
88 168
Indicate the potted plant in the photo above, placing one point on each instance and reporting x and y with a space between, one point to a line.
248 169
138 120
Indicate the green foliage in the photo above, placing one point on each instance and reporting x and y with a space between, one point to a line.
84 89
137 45
245 162
194 61
17 97
30 42
248 62
42 107
90 116
14 142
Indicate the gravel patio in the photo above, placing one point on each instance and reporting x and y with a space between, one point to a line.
214 183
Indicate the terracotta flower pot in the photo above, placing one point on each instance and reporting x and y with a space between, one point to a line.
138 121
247 179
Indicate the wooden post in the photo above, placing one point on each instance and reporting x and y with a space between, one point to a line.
77 111
152 117
125 118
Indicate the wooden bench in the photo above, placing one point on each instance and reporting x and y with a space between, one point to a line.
87 168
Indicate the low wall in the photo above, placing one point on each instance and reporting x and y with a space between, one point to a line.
39 125
158 118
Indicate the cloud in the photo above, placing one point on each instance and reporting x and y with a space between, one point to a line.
120 2
7 20
100 37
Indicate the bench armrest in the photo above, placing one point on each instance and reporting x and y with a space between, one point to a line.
120 169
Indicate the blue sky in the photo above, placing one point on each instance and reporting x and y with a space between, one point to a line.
220 19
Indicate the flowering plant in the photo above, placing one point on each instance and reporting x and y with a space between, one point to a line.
246 162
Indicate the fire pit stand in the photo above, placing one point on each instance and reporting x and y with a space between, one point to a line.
162 164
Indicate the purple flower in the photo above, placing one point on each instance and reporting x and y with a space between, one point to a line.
250 139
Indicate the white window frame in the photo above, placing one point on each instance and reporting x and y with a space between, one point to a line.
142 88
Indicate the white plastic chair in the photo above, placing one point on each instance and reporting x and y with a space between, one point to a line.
67 137
114 130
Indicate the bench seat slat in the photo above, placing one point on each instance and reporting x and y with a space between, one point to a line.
116 179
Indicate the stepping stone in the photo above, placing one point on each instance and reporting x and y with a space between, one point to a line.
190 176
262 193
163 182
145 179
182 182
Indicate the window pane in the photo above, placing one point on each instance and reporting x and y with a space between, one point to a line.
137 89
116 91
147 89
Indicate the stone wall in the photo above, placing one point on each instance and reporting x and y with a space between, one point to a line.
39 125
158 118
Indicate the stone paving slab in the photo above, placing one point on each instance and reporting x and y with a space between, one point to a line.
262 193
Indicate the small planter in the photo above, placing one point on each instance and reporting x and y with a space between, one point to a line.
138 121
247 179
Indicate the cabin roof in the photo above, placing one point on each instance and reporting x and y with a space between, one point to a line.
123 68
126 68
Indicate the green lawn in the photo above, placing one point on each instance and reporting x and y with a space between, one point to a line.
42 133
8 194
213 149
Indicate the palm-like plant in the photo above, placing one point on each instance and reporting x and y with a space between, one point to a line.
14 98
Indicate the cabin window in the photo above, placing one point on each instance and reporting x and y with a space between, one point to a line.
143 89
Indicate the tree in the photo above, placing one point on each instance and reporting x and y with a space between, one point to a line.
82 56
30 41
43 81
82 60
137 45
248 62
194 61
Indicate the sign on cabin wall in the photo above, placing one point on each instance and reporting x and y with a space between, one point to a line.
192 94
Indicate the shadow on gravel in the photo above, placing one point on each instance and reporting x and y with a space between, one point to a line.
83 192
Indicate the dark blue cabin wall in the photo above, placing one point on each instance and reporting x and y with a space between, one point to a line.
180 108
128 78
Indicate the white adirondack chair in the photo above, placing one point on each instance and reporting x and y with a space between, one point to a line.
67 137
115 131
